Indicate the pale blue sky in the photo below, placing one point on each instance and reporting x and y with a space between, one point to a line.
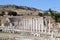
39 4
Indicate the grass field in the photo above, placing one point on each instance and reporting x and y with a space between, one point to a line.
17 34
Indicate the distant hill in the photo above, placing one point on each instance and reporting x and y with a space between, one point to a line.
27 11
18 7
20 10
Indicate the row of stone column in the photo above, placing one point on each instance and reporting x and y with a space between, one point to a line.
34 24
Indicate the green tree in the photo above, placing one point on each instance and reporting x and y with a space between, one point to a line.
58 20
12 13
2 13
40 14
46 13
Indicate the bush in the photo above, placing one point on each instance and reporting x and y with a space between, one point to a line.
40 14
2 13
12 13
58 20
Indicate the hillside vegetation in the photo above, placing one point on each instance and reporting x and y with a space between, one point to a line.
24 10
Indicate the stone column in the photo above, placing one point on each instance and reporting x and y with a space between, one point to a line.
32 24
46 24
39 26
27 24
49 25
36 25
24 24
42 25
